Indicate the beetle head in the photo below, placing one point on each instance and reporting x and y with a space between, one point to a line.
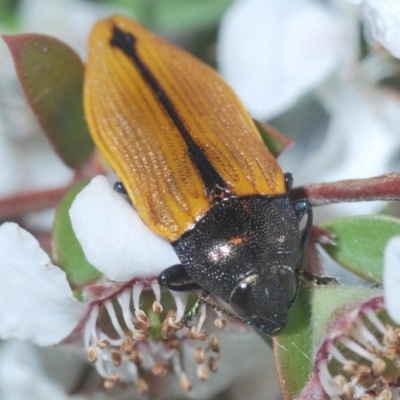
263 299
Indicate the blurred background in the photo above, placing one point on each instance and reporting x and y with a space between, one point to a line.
323 72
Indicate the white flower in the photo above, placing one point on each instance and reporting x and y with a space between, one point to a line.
36 302
113 324
30 372
273 52
391 278
358 354
349 118
362 141
384 17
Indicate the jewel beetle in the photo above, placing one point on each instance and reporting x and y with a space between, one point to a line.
195 168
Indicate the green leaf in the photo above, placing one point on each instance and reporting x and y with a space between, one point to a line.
272 138
308 322
67 252
51 76
293 347
8 13
360 242
176 16
328 303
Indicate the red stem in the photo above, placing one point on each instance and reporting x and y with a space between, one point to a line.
22 203
384 187
31 201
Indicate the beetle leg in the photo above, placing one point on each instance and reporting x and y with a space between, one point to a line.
288 181
302 208
313 272
203 299
319 280
176 278
193 310
120 188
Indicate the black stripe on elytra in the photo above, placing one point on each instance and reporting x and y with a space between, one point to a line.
211 178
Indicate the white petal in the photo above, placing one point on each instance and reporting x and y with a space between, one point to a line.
36 302
391 278
240 353
114 238
56 17
273 52
385 20
30 372
364 126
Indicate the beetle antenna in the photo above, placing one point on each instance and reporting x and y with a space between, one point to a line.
219 308
203 299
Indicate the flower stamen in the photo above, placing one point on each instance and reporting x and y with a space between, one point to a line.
335 352
371 315
142 387
185 382
157 307
180 301
199 355
114 320
356 336
124 300
103 344
110 382
116 358
127 346
196 335
202 317
143 320
159 369
92 355
220 323
118 330
213 364
136 291
214 344
90 327
202 373
356 348
366 337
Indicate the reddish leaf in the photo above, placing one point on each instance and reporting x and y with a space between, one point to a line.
272 138
51 76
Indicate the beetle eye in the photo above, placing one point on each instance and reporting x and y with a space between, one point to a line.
289 283
242 300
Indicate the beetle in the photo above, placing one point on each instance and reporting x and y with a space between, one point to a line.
195 168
